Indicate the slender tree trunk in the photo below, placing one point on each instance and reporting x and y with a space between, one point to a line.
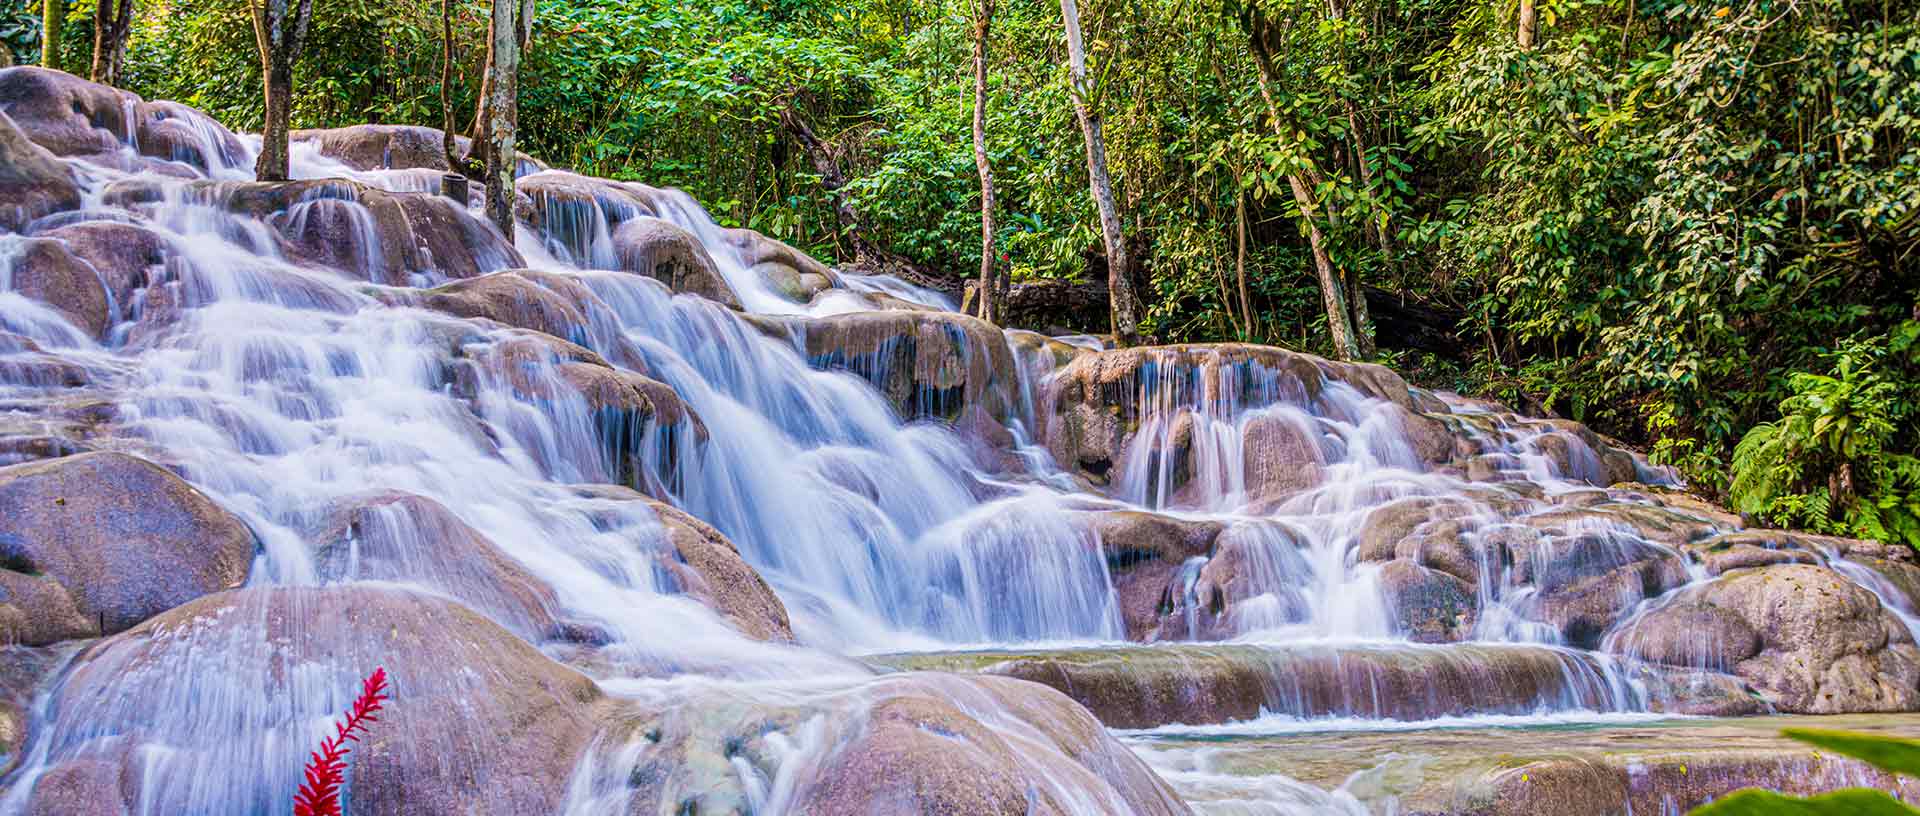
1529 25
512 26
110 23
1335 292
1119 267
992 288
279 32
464 165
1240 253
53 17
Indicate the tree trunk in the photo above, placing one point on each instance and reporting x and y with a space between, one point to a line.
1529 25
481 144
509 32
992 288
1337 290
110 23
1333 289
53 16
449 144
1119 268
1240 255
279 32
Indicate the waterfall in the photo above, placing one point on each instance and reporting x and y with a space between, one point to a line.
410 413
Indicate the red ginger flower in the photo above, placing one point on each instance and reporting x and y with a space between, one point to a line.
326 769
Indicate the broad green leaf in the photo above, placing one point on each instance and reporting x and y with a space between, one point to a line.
1890 754
1848 802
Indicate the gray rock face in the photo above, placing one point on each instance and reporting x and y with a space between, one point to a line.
75 118
673 256
1805 637
98 542
32 182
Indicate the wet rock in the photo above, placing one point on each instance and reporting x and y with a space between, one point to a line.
1583 582
927 364
32 182
44 269
516 297
395 536
1387 526
1830 647
1094 406
1147 555
901 743
125 257
640 425
1427 605
1743 550
374 147
926 754
399 239
1671 783
1827 645
1252 581
1151 686
788 270
1693 635
1282 457
288 659
708 568
95 543
671 255
75 118
23 673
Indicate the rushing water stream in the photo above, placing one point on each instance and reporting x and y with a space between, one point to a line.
287 390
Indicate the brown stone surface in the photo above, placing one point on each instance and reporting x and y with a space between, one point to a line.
98 542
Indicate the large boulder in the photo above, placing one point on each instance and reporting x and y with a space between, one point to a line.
1427 605
938 365
708 568
92 272
376 147
402 537
515 297
636 428
400 239
696 560
1098 402
98 542
908 743
667 253
1825 645
478 719
1148 556
926 752
75 118
32 182
788 270
44 269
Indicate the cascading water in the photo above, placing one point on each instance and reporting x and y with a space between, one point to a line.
393 436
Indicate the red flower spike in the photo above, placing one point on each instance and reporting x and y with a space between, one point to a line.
326 769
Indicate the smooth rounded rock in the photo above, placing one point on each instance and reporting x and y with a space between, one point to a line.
121 537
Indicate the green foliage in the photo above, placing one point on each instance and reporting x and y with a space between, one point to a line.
20 31
1849 802
1890 754
1841 457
